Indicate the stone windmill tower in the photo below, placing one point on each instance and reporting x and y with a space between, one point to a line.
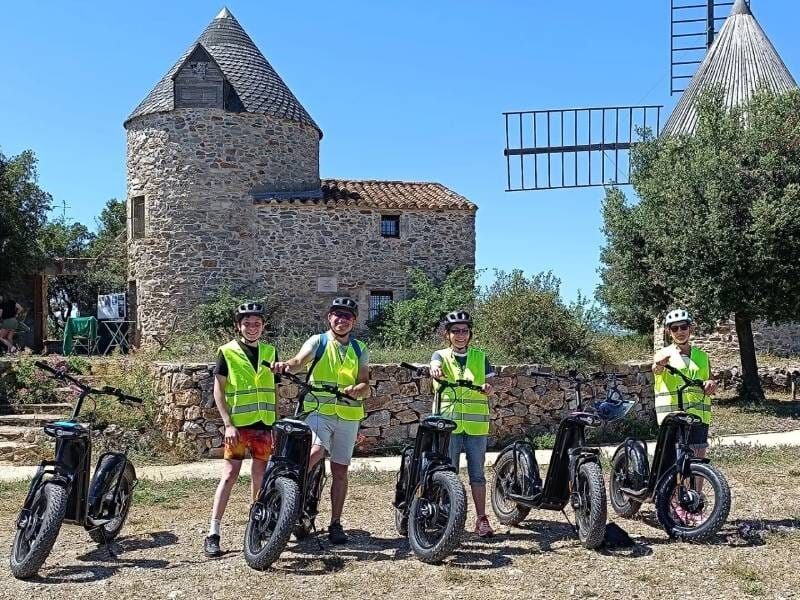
219 126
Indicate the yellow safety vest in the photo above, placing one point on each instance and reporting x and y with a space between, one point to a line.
249 394
694 400
330 369
468 408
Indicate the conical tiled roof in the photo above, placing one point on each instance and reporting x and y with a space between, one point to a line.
256 83
740 60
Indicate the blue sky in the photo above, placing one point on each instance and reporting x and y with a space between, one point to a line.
407 90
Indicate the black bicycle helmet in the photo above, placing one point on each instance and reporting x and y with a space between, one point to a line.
456 317
247 309
344 303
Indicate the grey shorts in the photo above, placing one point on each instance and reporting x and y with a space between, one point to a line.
338 436
698 436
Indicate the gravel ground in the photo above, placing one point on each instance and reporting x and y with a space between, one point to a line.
160 552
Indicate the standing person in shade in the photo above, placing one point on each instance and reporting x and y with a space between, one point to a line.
336 358
244 392
694 364
468 408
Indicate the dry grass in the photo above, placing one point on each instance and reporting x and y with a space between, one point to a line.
160 554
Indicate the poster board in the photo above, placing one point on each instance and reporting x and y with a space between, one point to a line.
111 307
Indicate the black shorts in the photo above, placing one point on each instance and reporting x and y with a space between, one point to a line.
698 435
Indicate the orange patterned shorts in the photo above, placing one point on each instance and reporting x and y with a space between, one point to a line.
258 441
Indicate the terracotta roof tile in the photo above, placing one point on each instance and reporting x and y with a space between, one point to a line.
398 195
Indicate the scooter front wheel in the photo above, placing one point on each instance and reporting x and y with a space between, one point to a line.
37 531
436 518
591 512
270 524
693 508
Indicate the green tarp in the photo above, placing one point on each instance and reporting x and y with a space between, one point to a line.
80 327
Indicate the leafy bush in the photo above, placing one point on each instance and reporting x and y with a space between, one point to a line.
215 318
528 318
25 383
418 317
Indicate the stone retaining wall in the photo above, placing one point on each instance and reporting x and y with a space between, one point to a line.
398 401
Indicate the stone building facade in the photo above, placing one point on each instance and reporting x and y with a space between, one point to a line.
224 189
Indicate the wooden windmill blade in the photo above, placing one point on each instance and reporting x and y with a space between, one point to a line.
574 147
693 26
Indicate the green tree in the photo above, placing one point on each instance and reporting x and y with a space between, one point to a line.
23 212
717 225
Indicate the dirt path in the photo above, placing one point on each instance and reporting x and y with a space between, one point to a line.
160 555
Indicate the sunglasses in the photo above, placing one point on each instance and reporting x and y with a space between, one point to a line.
459 330
675 328
343 315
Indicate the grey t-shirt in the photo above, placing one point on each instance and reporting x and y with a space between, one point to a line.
309 350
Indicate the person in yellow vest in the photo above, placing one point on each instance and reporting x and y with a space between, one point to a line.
244 392
336 358
468 408
693 363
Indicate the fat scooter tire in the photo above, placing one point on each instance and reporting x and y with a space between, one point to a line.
285 497
401 522
591 521
622 505
503 470
715 521
108 531
435 551
49 506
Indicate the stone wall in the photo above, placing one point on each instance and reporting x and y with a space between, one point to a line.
196 169
398 401
781 340
345 247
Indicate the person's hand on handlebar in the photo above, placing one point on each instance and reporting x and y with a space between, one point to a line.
710 387
279 367
486 388
436 370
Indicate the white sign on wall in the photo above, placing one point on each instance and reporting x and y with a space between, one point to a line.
327 284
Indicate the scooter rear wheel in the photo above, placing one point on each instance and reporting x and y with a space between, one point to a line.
34 541
120 505
622 504
507 511
436 519
266 537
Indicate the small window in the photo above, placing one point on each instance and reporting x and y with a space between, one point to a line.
390 226
137 217
378 300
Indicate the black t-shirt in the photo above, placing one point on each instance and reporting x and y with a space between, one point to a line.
9 308
221 368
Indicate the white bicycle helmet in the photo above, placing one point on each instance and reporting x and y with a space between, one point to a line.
679 315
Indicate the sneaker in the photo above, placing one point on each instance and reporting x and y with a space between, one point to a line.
482 527
211 546
336 533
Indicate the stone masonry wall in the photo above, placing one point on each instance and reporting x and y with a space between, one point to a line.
344 246
397 403
196 169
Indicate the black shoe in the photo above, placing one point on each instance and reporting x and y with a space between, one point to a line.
336 533
211 546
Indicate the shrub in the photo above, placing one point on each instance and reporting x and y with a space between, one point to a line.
528 318
418 317
215 318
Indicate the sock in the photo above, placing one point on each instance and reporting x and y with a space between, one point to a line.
214 527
